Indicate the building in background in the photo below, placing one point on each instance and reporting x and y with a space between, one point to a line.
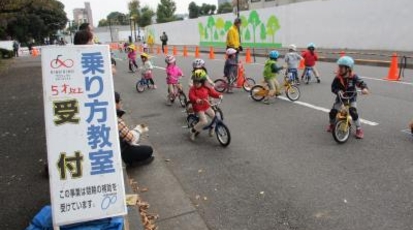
223 1
259 4
82 15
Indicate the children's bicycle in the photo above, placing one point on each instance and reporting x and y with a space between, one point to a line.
342 125
259 92
221 130
225 84
309 75
177 93
143 84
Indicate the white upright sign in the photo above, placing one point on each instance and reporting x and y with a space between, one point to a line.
85 167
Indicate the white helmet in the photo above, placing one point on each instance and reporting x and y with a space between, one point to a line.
170 59
198 63
231 51
293 47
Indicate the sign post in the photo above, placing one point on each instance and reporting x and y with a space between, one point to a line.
85 167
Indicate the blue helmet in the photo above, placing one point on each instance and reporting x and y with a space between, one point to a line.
311 45
346 61
274 54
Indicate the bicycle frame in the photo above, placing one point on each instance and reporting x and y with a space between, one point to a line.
344 113
286 84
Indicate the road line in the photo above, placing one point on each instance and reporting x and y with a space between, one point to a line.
308 105
406 131
377 79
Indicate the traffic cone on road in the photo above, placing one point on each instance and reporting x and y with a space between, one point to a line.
140 49
241 71
166 50
394 69
248 56
211 53
185 51
175 51
342 54
302 66
34 52
197 55
158 50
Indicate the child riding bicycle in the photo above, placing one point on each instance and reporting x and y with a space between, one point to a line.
147 69
132 58
271 69
292 58
231 66
310 59
343 84
199 97
173 74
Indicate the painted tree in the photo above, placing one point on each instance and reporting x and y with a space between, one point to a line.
206 35
244 24
263 32
211 25
273 26
219 25
254 20
247 35
227 26
201 30
216 37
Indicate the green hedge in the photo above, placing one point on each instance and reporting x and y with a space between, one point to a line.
6 54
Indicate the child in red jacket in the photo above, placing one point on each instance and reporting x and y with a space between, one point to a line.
199 97
310 59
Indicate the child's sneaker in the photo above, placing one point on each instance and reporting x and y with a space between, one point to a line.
211 132
318 80
359 133
266 101
192 134
330 128
154 86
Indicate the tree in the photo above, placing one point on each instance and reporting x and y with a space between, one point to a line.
146 16
219 25
273 26
118 18
254 20
225 8
166 11
210 25
213 9
103 22
134 10
193 9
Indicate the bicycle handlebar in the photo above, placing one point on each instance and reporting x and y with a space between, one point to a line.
342 97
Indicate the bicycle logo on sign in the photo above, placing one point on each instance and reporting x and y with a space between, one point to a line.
58 63
108 200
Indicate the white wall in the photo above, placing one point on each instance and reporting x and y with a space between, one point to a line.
353 24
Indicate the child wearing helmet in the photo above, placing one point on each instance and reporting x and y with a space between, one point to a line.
199 95
199 64
231 65
310 59
147 69
292 58
173 74
132 57
347 81
271 69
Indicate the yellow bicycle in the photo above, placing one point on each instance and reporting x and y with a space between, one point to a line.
259 92
342 125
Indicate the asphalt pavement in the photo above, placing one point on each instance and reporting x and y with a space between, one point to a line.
282 170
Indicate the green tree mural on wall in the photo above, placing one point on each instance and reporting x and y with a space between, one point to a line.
256 30
272 26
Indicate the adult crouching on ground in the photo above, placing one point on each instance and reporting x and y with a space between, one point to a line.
132 153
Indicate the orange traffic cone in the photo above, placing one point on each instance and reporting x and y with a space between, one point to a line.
241 75
140 49
197 55
34 52
248 56
302 66
342 54
166 50
211 53
394 69
158 50
175 51
185 51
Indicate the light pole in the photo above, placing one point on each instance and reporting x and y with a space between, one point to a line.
238 8
134 30
110 30
130 22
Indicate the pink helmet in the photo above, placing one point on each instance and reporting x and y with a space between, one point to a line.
170 59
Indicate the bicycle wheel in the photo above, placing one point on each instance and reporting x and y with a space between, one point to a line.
191 120
140 86
341 131
248 84
293 93
218 113
223 134
182 99
258 93
221 85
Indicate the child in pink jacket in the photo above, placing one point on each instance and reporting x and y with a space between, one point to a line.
173 74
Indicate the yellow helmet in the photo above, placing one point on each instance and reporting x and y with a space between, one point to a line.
132 47
144 55
199 75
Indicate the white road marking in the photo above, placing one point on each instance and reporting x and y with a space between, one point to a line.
377 79
325 110
407 131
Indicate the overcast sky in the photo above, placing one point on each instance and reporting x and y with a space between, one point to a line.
101 8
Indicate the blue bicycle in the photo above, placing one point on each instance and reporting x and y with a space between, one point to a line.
221 130
143 84
308 75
